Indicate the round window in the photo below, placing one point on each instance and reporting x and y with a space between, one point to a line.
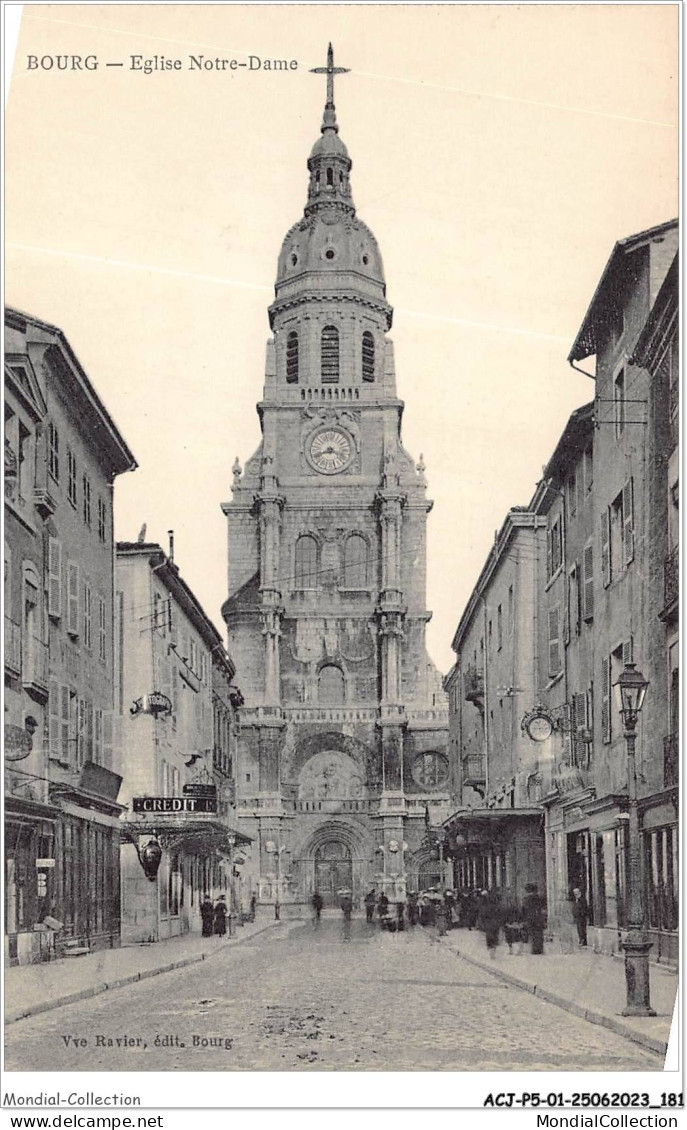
329 253
430 770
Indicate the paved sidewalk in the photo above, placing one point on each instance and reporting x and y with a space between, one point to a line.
30 989
588 984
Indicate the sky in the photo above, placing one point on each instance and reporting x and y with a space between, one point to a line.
498 153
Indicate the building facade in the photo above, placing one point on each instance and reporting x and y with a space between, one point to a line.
343 734
496 835
62 455
176 707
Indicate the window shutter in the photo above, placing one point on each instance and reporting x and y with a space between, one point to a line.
548 552
579 726
80 731
54 719
628 651
98 736
107 738
606 700
54 578
73 598
554 642
588 582
628 522
567 612
606 547
87 615
88 737
64 723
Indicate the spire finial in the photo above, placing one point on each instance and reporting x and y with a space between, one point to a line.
329 118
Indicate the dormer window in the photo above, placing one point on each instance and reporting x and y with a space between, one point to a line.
329 355
368 356
330 178
292 358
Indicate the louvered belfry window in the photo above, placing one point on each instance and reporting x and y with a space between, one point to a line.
292 358
330 355
368 356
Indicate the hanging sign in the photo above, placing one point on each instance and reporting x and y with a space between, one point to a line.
18 743
45 864
161 805
200 789
156 704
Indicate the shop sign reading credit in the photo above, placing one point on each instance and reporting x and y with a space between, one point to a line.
174 804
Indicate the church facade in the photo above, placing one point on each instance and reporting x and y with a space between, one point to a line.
342 756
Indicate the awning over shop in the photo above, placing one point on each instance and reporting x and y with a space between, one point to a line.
191 835
484 824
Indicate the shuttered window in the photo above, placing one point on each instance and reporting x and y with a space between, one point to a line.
554 641
102 630
330 355
292 358
588 582
73 598
606 547
87 615
579 727
628 522
54 733
606 700
368 356
54 578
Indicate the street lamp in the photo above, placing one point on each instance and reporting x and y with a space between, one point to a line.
630 691
272 849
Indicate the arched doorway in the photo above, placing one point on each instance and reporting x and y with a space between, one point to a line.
333 870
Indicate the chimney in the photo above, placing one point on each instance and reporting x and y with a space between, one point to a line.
171 546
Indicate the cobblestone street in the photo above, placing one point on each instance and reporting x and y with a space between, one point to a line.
320 997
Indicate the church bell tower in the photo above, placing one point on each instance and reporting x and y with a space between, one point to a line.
344 728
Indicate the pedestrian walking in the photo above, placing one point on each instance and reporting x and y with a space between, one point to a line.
440 916
370 901
490 918
400 915
513 927
317 904
534 917
382 907
346 905
253 904
580 913
413 909
207 915
221 916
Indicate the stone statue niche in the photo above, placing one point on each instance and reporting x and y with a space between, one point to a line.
330 776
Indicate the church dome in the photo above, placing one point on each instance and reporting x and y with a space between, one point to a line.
328 242
329 143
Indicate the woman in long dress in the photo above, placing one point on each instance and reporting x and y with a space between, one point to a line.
207 915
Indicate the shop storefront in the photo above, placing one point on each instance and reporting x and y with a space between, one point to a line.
29 879
498 849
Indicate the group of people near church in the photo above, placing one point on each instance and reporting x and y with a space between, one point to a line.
486 910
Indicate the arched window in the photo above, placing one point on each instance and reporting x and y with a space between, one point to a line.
306 562
355 562
330 355
292 358
368 356
330 178
331 686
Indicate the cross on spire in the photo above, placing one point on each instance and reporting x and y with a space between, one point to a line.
329 119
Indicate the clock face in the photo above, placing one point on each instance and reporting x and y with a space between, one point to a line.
331 451
539 728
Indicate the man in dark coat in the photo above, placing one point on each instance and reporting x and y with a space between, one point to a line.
370 900
580 913
221 916
534 916
207 914
317 904
413 910
382 906
490 918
